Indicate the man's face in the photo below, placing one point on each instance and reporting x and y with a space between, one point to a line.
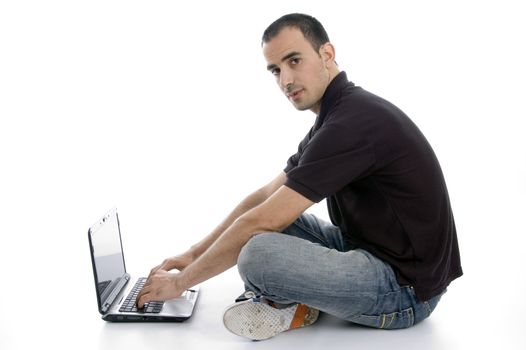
300 71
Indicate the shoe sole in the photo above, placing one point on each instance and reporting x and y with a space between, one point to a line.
259 321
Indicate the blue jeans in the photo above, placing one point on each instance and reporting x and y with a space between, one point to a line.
311 263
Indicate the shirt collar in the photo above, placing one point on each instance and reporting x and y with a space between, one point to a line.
331 96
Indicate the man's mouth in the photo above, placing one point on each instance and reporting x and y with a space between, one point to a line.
294 95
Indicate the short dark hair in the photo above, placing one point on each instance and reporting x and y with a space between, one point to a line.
311 28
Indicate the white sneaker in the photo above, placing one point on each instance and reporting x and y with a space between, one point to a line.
257 320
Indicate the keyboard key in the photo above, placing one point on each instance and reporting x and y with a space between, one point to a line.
129 303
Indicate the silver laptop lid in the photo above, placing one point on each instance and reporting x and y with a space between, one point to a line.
107 258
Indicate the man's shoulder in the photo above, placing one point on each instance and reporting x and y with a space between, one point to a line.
357 101
358 96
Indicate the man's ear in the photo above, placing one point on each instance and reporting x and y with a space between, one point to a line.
328 54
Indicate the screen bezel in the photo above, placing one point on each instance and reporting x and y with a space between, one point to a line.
105 299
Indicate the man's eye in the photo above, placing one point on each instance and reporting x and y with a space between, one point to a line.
294 60
275 72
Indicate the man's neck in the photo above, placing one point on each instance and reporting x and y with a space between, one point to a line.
333 72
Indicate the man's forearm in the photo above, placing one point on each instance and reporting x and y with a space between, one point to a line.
220 256
252 201
277 212
274 215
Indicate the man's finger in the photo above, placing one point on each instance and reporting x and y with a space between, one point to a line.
153 271
143 297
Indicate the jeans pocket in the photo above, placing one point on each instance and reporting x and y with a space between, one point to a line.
395 320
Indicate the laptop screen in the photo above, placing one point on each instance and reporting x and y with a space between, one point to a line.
106 254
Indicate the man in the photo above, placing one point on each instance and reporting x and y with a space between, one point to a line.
391 249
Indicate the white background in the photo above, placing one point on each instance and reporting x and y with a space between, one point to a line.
165 110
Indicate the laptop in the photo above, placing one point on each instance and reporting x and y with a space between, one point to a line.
117 290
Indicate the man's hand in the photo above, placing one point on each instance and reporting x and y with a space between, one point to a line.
160 286
178 262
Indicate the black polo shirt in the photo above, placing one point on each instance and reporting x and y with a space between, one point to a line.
383 184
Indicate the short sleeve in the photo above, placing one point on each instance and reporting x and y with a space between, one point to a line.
293 161
333 158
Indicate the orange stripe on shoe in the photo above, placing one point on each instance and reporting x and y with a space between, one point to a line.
299 316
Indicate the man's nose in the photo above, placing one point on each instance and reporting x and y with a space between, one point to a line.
286 79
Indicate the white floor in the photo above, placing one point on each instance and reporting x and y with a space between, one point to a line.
461 321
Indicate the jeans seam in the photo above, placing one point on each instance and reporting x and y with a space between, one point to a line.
428 308
383 321
392 320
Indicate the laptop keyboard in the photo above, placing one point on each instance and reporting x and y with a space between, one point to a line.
129 304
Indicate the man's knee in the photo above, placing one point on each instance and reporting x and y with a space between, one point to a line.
256 256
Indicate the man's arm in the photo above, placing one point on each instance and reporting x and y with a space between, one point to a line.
180 262
280 210
250 202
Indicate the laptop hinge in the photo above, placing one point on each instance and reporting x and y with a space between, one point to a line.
115 292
